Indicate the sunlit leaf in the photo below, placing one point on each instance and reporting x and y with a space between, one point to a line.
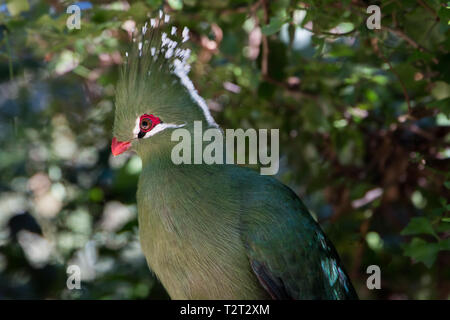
273 27
419 225
15 7
422 251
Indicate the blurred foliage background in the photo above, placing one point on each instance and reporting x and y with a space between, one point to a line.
363 117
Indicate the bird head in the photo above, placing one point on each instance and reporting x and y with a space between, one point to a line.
154 94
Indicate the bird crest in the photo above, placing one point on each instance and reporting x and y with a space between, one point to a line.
154 77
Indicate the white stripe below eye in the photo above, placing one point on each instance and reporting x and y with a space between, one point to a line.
161 127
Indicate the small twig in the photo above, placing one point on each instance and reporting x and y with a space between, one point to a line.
265 57
374 42
359 252
419 131
332 34
289 89
243 9
430 9
411 42
405 93
8 47
427 34
265 44
405 37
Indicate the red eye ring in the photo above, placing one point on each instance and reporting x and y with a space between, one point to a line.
147 122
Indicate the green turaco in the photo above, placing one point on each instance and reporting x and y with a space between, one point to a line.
211 231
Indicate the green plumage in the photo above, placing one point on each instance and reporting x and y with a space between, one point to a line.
216 231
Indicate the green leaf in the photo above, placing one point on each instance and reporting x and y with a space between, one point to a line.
154 3
273 27
15 7
176 4
444 15
443 227
422 251
444 244
419 225
438 211
443 105
419 55
445 219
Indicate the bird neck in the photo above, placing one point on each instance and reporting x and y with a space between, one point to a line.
180 197
157 158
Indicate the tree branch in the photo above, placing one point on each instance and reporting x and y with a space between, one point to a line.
430 9
265 43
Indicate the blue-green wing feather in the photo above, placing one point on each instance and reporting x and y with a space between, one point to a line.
289 253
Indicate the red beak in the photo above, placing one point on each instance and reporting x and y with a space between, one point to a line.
118 147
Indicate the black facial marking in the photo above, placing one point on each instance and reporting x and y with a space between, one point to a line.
141 134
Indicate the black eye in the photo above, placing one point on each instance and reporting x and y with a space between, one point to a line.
146 124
